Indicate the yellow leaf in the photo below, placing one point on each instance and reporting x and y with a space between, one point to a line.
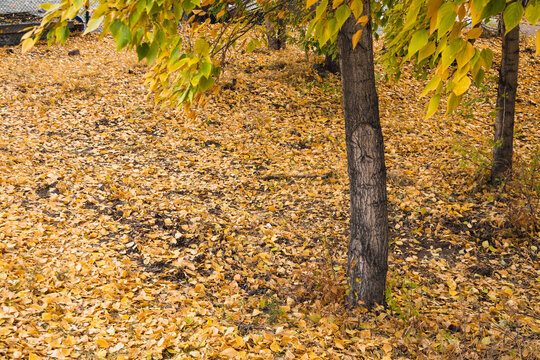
272 208
474 33
33 356
315 318
465 55
387 348
538 42
357 6
433 8
310 3
336 3
356 38
69 341
229 352
461 86
433 105
275 347
508 291
462 11
362 20
239 342
102 342
452 103
27 45
46 316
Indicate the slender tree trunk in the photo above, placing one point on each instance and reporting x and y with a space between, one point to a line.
368 247
275 33
506 104
331 64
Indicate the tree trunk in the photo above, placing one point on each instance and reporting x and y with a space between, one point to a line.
368 247
275 33
506 105
331 64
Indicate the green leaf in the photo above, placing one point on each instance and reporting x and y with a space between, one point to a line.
449 54
62 33
188 5
342 14
321 9
453 102
178 12
512 16
195 80
426 51
152 52
333 29
160 37
476 9
69 13
201 47
182 97
479 76
135 16
486 55
492 8
173 57
432 84
205 83
532 12
446 17
120 33
206 69
252 45
143 50
418 41
412 15
325 32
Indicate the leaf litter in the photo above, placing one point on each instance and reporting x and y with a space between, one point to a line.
129 231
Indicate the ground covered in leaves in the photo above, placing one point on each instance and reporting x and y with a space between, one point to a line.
131 232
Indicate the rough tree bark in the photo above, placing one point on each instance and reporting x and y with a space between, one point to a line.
368 247
331 64
506 104
275 34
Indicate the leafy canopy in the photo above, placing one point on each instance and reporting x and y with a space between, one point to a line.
440 35
185 55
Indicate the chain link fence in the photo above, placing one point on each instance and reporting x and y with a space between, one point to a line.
17 15
23 6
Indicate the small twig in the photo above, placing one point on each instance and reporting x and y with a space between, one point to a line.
298 176
528 315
